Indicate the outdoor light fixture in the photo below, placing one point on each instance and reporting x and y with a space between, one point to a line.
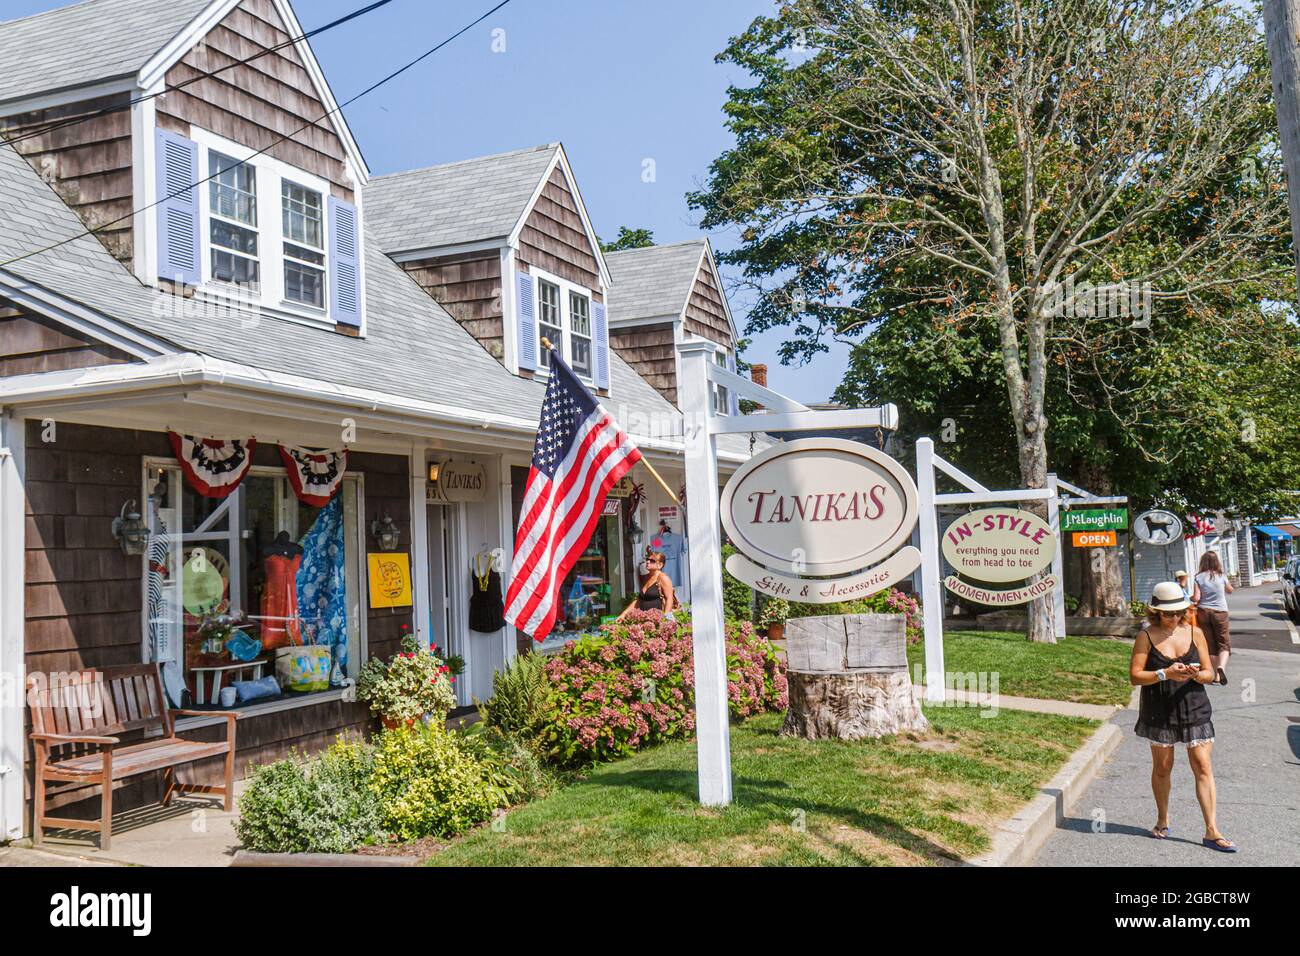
130 530
386 534
434 468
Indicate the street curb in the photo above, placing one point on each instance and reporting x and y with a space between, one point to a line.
1017 840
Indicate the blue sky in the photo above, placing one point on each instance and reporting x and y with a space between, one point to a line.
618 81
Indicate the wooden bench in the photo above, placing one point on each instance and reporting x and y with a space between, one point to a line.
76 725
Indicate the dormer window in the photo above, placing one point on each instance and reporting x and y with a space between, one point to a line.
301 261
549 322
304 246
232 197
580 333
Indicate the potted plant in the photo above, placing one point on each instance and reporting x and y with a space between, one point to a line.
414 684
773 617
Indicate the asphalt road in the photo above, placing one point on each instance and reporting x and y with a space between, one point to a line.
1258 622
1256 762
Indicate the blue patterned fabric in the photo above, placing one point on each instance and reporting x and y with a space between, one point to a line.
322 589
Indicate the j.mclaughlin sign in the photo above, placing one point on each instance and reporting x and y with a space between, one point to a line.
821 519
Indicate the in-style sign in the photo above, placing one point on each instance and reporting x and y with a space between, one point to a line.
1094 539
999 544
1158 527
811 518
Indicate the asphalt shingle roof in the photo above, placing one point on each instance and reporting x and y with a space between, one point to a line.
467 201
652 282
413 348
87 42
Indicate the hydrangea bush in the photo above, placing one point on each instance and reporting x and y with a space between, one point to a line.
634 685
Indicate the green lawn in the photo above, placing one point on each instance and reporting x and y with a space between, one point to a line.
899 801
1087 670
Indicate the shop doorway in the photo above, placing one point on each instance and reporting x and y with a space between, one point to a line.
442 595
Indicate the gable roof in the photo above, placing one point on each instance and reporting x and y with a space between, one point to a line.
413 349
87 43
472 200
654 281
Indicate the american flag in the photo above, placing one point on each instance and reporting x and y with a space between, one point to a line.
580 454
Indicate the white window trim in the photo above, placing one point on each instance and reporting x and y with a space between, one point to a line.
270 231
566 327
148 466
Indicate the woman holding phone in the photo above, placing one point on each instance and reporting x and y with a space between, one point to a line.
1171 663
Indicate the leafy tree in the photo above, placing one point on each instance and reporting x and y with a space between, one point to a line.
969 173
628 239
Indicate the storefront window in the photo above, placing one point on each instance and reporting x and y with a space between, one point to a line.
255 596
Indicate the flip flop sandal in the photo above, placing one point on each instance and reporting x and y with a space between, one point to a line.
1223 677
1214 844
1157 834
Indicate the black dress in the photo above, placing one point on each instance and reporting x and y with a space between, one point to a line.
651 599
1171 712
487 613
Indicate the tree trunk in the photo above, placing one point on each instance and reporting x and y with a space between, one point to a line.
848 678
1103 589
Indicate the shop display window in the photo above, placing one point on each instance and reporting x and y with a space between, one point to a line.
252 598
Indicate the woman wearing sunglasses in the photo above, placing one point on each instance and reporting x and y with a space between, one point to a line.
1171 663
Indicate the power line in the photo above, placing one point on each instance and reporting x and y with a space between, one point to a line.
109 110
370 89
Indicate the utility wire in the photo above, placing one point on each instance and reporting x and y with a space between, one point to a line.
370 89
109 110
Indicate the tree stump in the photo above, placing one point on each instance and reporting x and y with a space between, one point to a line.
848 678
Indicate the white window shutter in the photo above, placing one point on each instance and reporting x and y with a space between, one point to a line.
526 324
177 166
344 263
600 344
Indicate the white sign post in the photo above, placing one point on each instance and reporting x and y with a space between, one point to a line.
699 374
927 462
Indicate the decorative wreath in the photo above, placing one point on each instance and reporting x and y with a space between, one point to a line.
316 476
214 467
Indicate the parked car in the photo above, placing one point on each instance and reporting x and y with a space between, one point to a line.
1291 589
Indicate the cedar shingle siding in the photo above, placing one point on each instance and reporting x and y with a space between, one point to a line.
651 350
553 237
469 287
87 163
30 344
258 102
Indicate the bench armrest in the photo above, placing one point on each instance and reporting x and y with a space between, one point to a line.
206 713
76 739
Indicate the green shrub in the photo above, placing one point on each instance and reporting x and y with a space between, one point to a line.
428 784
518 703
634 685
414 683
737 596
510 765
321 806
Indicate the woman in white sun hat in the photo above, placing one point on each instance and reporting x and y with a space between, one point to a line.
1171 663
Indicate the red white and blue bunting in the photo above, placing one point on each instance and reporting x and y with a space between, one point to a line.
214 467
316 476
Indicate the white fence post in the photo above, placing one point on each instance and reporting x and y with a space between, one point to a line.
704 537
931 588
13 500
1058 563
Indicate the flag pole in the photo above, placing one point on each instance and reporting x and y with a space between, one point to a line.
546 344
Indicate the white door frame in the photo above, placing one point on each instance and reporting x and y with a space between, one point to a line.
698 373
13 522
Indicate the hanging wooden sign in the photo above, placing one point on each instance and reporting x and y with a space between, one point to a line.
999 545
1094 539
462 481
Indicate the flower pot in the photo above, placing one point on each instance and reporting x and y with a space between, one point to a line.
392 723
776 632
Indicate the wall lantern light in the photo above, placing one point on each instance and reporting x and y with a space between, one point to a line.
130 530
434 469
386 534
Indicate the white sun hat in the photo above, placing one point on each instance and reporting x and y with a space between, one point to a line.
1168 596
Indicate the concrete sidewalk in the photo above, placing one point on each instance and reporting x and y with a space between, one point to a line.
1257 772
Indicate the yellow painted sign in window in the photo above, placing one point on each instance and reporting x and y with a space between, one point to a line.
390 579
